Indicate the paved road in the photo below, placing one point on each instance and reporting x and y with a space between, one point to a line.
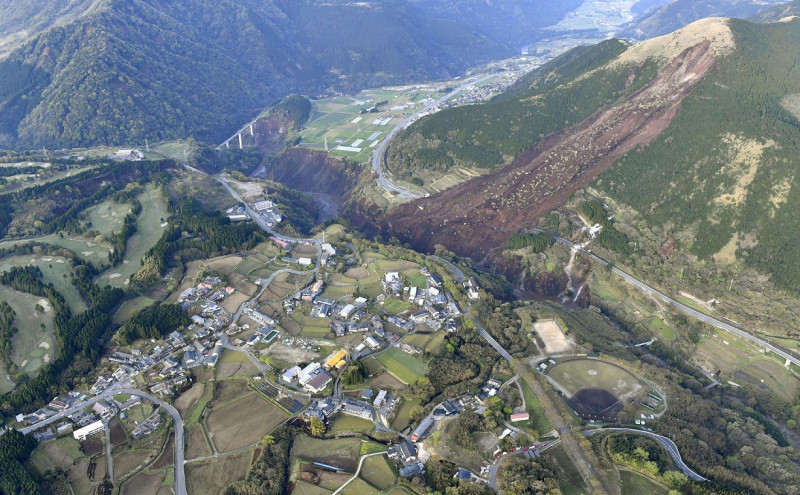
180 442
493 342
360 462
453 269
377 155
664 441
109 458
682 307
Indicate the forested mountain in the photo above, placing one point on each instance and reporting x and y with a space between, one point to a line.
697 131
21 21
679 13
778 12
136 69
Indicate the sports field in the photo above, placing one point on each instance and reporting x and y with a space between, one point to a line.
552 335
404 366
596 388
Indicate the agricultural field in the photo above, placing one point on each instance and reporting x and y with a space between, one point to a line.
405 367
595 388
739 362
401 419
55 270
340 121
395 306
359 487
242 421
212 476
346 423
636 483
32 345
340 452
149 226
143 483
234 363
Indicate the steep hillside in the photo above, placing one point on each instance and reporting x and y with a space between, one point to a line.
22 21
479 215
136 69
679 13
708 147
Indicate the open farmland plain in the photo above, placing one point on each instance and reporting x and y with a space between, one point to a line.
405 367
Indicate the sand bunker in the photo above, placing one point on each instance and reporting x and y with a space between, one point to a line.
87 253
44 303
114 275
164 224
44 345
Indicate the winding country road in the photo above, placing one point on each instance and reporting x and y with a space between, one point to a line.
647 289
668 444
377 155
360 462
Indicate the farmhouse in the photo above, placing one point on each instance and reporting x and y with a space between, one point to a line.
472 290
520 417
347 311
380 399
318 382
422 429
81 433
404 451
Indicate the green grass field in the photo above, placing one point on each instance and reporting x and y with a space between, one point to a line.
538 419
663 329
130 307
418 280
107 216
345 422
636 483
55 270
149 227
394 306
377 471
31 344
87 249
417 339
571 482
405 367
401 419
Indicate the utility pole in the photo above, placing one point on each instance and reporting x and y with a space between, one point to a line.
146 145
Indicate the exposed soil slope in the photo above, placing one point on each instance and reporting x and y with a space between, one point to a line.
476 216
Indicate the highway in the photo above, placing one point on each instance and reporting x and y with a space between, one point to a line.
679 306
377 155
664 441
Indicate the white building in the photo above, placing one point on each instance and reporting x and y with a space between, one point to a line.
304 261
81 433
347 311
307 372
372 343
290 374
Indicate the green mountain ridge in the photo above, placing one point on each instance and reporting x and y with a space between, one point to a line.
722 176
155 69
